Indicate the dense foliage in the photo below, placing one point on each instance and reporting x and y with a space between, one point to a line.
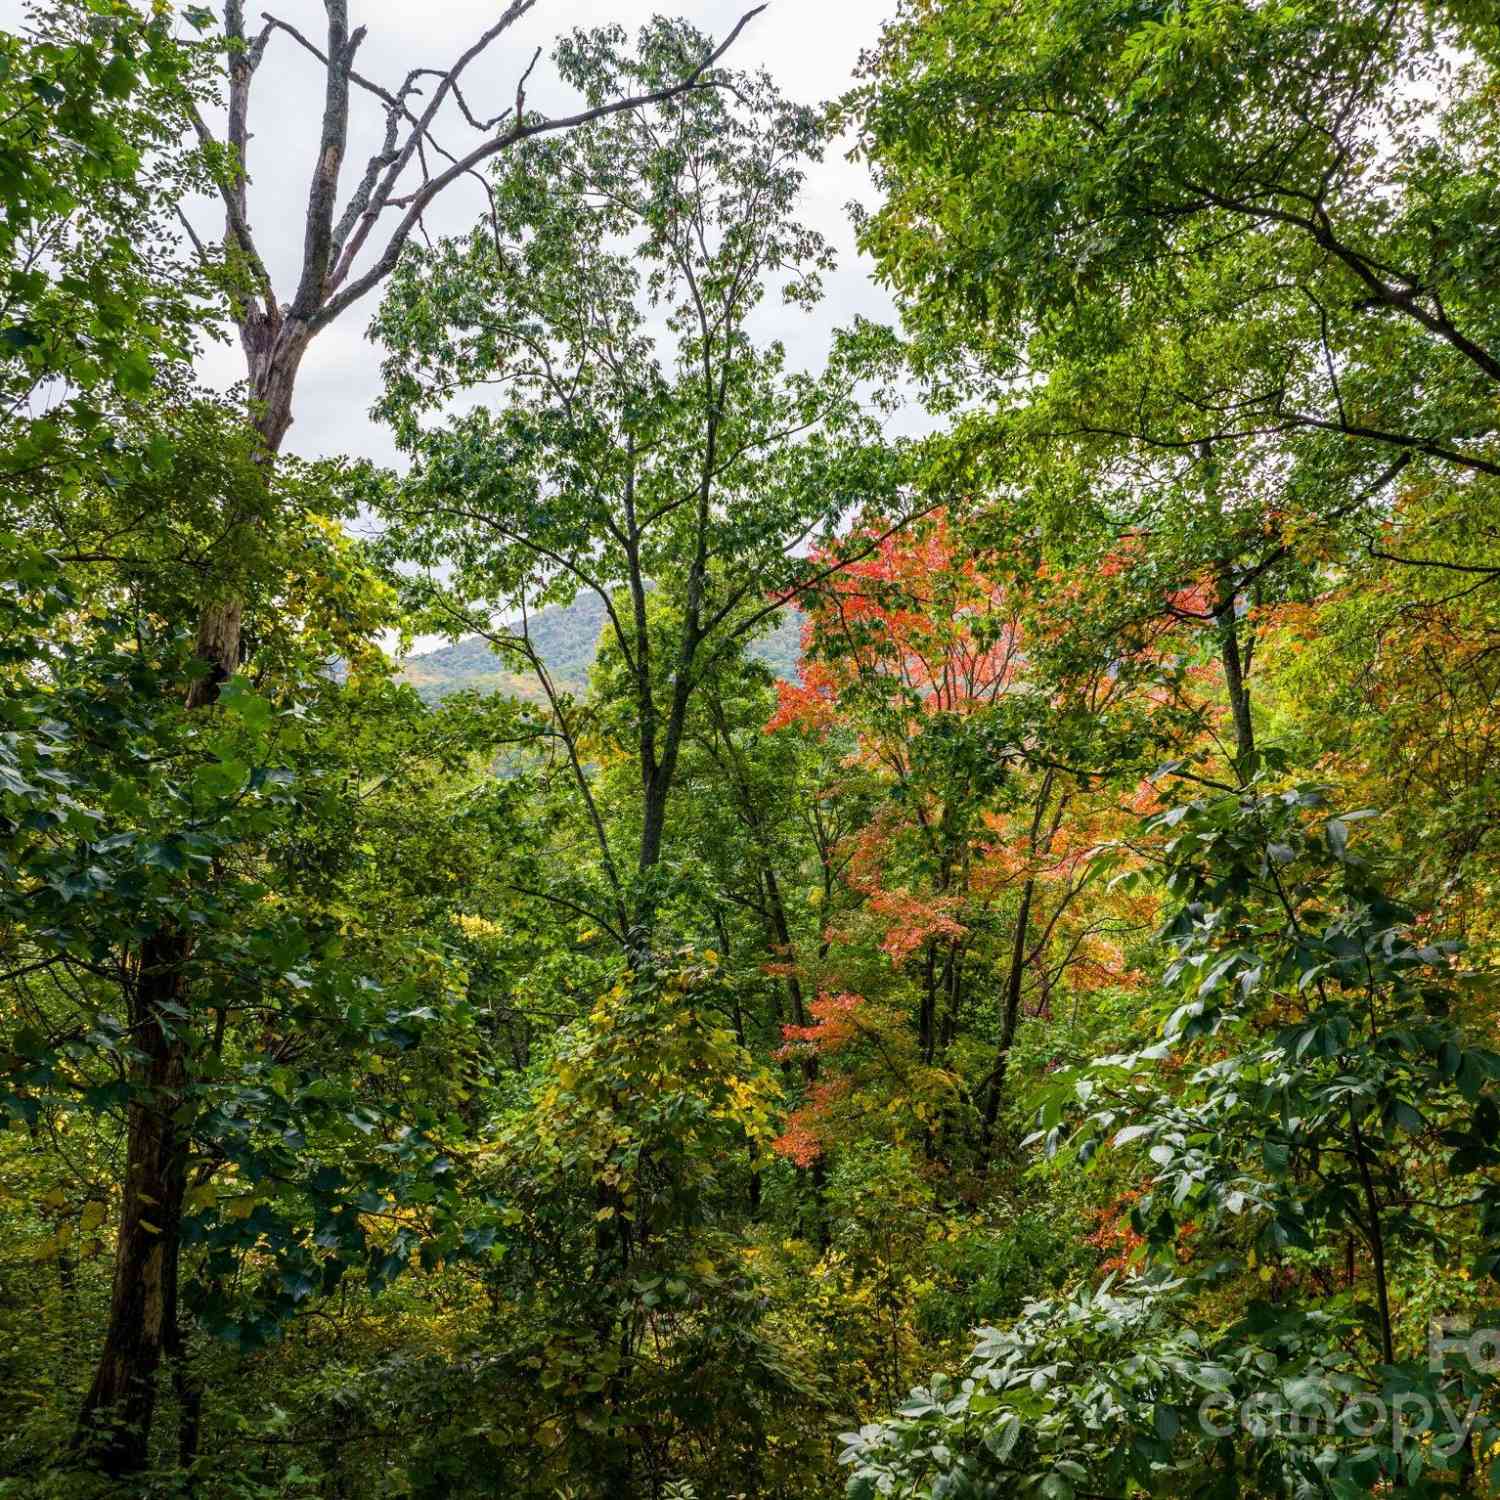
940 967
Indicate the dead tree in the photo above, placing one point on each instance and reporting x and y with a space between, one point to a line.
351 243
348 252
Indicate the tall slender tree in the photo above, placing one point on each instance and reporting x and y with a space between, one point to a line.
645 441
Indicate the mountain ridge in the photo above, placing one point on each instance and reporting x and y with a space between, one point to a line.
566 637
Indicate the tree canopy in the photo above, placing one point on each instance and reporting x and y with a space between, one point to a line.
934 967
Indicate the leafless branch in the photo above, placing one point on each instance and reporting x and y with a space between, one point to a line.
520 130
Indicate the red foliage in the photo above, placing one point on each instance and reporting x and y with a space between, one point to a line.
799 1142
913 922
805 1138
834 1025
1114 1236
1196 602
913 611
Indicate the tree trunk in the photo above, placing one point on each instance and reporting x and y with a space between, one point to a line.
185 1385
653 820
218 648
275 337
954 990
1236 685
781 931
1009 1019
114 1426
927 1009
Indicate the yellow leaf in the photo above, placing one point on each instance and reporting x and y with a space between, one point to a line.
93 1216
149 1227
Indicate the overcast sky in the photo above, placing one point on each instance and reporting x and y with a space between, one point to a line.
810 47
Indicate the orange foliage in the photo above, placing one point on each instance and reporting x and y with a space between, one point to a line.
914 922
805 1138
915 612
834 1025
1114 1235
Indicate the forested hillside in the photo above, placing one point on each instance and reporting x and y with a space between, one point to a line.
566 638
949 954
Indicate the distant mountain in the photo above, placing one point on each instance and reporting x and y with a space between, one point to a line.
566 638
781 649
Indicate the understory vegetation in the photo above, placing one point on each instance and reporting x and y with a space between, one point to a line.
1041 1041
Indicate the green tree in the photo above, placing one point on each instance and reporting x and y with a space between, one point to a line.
274 334
1215 275
645 442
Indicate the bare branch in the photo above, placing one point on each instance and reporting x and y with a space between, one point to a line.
322 194
244 58
1289 421
237 228
192 233
520 105
381 197
1486 571
520 130
396 110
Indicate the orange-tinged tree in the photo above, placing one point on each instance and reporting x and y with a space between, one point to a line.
958 902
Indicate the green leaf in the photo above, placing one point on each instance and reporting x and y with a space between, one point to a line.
19 337
1001 1439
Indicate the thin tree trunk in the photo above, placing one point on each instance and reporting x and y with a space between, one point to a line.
1237 685
1377 1244
185 1385
781 930
1009 1019
951 1014
927 1011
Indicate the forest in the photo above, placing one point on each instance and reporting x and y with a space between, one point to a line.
932 929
